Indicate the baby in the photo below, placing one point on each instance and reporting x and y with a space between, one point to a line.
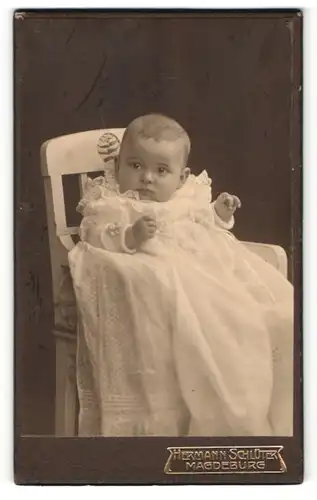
153 162
184 331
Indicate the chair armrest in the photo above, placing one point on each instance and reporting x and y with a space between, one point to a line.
273 254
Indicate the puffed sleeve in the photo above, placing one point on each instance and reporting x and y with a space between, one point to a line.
200 189
105 220
208 217
219 222
107 235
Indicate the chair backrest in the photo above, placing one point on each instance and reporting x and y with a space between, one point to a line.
74 155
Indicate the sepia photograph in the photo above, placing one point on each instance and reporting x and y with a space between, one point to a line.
157 244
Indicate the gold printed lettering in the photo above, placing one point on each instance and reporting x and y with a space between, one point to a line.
188 455
176 453
200 466
232 454
225 460
190 465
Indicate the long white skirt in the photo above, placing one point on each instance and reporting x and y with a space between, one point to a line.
190 336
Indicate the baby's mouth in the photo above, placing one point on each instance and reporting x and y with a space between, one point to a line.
146 194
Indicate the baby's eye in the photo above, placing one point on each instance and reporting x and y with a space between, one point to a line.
162 170
135 165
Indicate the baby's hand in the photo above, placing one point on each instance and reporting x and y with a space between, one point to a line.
144 228
226 204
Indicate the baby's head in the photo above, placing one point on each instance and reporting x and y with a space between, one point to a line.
153 157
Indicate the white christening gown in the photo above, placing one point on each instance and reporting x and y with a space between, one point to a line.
190 335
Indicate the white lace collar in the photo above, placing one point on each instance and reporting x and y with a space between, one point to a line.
196 189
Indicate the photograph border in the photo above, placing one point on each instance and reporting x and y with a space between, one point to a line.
101 460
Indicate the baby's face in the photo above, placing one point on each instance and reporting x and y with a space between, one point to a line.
154 169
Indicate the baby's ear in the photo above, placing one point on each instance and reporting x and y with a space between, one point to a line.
184 175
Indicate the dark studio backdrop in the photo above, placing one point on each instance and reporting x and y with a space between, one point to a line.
227 80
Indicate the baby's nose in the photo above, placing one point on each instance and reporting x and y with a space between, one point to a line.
147 177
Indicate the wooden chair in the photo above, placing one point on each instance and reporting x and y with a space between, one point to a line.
62 157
